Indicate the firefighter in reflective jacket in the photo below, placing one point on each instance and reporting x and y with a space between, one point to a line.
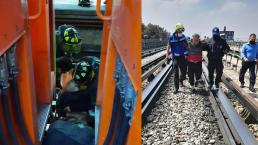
218 48
178 47
68 46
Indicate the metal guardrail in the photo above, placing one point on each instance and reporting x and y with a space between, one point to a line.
153 62
234 53
148 73
246 99
154 86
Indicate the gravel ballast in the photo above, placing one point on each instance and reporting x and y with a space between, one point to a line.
183 118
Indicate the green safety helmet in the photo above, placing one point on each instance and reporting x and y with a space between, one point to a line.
180 28
72 41
83 73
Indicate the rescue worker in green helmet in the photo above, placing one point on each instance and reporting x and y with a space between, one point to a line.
178 47
80 91
68 46
68 41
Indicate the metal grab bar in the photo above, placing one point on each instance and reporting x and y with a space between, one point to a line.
101 16
34 17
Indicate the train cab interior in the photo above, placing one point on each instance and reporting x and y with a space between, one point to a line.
74 100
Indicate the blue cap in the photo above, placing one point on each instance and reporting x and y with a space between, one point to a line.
215 31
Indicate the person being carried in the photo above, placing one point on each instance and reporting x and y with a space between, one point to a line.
194 60
79 92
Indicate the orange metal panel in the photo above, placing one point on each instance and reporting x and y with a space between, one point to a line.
40 42
105 94
26 86
126 34
51 33
12 22
124 39
13 31
103 56
108 94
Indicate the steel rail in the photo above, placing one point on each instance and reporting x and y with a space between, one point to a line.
154 86
237 126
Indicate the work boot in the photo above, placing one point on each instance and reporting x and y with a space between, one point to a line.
217 85
251 88
181 83
193 90
210 86
242 85
196 84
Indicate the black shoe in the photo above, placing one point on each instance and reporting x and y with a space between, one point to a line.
251 88
217 86
196 84
242 85
210 86
176 91
181 84
193 90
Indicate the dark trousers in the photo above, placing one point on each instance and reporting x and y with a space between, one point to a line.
179 62
212 66
251 67
194 72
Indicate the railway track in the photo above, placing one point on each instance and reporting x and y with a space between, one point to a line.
231 125
233 128
150 52
154 82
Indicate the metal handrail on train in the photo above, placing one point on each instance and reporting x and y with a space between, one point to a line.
34 17
99 14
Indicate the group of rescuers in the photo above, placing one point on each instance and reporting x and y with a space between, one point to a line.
187 57
76 83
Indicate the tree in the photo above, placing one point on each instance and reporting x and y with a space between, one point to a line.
152 31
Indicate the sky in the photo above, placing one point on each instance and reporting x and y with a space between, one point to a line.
200 16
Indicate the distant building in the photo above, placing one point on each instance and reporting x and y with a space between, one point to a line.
227 35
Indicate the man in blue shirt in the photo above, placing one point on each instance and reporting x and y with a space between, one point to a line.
178 44
249 55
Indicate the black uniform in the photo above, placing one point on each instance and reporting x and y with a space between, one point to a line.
179 62
82 100
245 66
215 54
